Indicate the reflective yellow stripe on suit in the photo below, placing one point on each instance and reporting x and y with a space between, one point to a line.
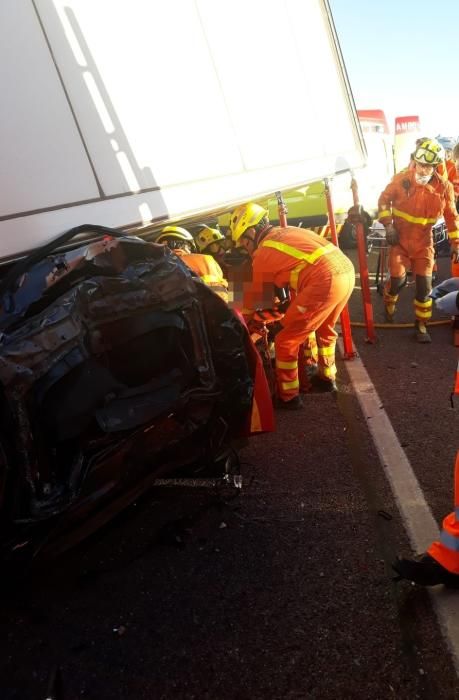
423 304
306 258
286 365
328 351
291 385
212 279
412 219
329 372
423 309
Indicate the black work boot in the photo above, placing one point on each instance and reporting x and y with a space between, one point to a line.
425 571
311 370
292 405
305 383
422 334
322 386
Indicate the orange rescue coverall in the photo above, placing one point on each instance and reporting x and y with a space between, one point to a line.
448 171
207 269
414 209
322 278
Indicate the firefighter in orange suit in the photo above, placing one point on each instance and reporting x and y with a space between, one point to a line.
455 160
321 278
408 208
205 267
450 173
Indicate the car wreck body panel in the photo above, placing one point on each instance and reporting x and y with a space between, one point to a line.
116 365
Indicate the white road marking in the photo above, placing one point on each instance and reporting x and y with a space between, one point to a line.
419 522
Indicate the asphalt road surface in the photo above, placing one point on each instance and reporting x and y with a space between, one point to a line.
283 591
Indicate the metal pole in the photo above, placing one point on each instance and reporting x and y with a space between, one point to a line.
363 268
282 209
345 321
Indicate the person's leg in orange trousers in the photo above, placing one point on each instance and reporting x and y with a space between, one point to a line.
422 264
315 307
326 336
398 263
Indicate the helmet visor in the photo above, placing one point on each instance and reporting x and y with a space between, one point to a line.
429 155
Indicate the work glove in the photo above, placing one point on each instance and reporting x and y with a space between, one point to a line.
256 327
455 254
391 234
273 330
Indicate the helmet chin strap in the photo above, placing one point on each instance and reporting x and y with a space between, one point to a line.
259 235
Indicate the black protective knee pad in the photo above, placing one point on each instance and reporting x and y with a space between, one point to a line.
423 287
396 284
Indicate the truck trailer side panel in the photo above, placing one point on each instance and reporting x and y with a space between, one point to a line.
126 113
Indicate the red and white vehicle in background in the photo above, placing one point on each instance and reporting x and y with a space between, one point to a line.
407 130
380 166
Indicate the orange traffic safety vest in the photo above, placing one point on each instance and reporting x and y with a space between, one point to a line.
208 270
446 550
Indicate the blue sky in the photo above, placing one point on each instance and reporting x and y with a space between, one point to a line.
402 57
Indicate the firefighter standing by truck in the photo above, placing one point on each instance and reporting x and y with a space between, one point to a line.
322 279
181 242
408 208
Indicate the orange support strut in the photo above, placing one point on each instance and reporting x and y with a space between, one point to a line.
363 269
345 321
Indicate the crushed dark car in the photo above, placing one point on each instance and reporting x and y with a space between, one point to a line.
117 366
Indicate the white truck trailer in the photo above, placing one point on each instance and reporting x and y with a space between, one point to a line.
129 114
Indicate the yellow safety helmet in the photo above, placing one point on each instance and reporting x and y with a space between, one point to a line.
245 216
207 236
429 152
178 232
